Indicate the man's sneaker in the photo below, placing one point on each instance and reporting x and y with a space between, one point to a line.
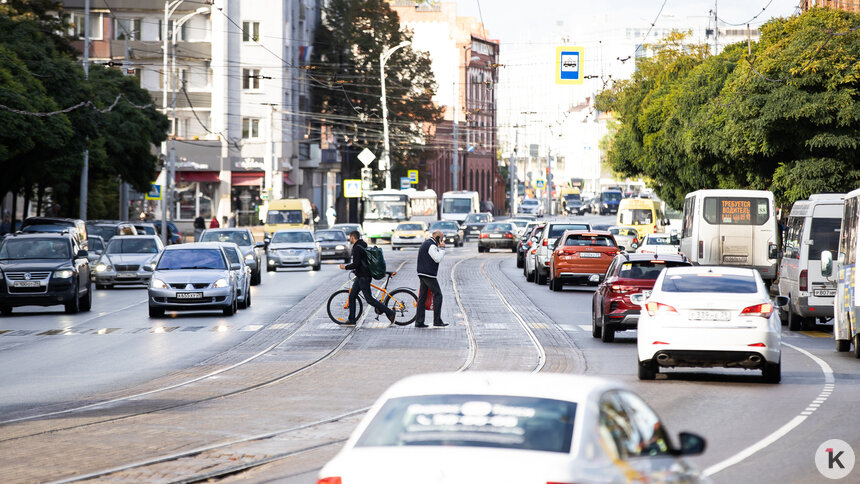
391 317
440 324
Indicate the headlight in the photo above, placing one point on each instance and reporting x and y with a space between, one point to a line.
158 284
220 283
249 257
102 267
340 247
63 274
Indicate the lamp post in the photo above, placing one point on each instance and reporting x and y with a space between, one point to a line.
384 161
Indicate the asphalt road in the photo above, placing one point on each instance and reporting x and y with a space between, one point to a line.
54 362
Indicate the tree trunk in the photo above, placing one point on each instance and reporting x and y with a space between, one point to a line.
14 210
40 196
28 193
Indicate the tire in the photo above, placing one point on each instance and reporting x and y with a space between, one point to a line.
395 248
74 307
404 302
596 331
608 335
86 302
783 317
243 304
230 310
156 312
248 299
530 276
337 306
256 277
648 370
556 285
857 346
316 267
6 310
520 262
843 345
794 321
541 278
772 373
514 250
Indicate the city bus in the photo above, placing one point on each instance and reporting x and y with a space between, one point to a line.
643 214
845 330
382 211
423 206
456 205
732 228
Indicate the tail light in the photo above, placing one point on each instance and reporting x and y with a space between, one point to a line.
763 310
758 345
534 251
803 280
544 243
509 236
701 249
330 480
485 236
655 308
635 240
618 289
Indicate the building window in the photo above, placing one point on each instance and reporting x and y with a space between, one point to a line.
126 28
180 36
180 77
179 127
250 79
76 25
250 31
250 128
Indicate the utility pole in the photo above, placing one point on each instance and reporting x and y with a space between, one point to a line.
85 171
716 30
513 174
385 159
455 157
549 180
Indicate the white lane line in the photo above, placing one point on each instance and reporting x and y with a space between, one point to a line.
585 327
785 429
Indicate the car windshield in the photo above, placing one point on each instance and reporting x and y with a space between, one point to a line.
587 240
498 227
556 230
457 205
330 235
410 227
825 236
104 231
710 282
238 237
292 238
572 197
445 226
232 255
284 217
35 249
95 244
498 421
132 246
611 196
477 218
146 229
529 202
520 223
658 240
191 259
646 269
636 216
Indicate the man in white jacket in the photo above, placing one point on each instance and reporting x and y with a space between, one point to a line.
429 256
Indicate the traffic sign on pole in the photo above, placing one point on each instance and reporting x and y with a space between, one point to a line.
413 176
352 188
154 192
568 65
405 183
540 183
366 157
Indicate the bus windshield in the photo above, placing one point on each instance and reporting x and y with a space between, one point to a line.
385 208
636 216
457 205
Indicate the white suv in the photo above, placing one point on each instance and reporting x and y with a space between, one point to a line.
551 232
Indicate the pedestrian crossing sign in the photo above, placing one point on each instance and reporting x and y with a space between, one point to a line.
154 192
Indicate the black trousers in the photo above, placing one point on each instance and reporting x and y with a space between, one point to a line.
362 284
433 285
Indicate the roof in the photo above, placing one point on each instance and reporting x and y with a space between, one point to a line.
667 257
739 271
194 245
574 388
292 230
228 229
41 235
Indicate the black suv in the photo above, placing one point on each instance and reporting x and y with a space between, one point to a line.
44 269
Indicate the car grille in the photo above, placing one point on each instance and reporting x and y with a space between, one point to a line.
28 290
196 285
21 276
291 251
203 300
126 268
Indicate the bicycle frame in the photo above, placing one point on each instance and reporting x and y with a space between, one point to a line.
381 295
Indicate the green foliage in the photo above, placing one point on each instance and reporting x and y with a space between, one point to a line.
690 120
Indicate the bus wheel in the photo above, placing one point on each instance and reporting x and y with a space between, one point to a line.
843 345
857 346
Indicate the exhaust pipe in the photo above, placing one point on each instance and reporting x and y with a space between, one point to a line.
662 357
754 359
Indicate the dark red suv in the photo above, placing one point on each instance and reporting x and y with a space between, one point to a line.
628 274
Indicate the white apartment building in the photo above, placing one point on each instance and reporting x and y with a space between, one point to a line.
237 96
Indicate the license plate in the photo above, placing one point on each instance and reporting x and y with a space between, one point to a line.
734 258
189 295
26 284
709 316
127 275
824 292
495 236
328 252
292 259
589 255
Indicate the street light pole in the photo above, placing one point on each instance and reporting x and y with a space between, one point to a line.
385 160
85 171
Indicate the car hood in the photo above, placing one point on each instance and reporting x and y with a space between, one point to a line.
292 246
33 265
449 231
190 275
408 233
333 243
129 259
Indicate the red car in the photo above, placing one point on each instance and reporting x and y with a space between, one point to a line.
629 274
581 256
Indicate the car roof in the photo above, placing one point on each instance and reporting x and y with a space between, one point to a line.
666 257
41 235
194 245
588 232
739 271
138 236
574 388
228 229
294 230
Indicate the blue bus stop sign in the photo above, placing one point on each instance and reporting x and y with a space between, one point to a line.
568 65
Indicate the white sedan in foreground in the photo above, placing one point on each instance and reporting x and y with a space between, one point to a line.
709 317
516 428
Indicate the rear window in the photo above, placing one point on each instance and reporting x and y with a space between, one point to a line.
498 421
636 216
661 240
477 218
736 210
555 230
498 228
710 282
646 269
579 240
330 235
825 236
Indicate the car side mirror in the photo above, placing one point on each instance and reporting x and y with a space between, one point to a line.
260 244
267 241
621 247
83 253
772 251
147 268
781 301
691 444
638 299
826 263
235 266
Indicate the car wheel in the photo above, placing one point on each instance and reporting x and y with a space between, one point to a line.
556 284
514 250
256 277
156 312
74 306
86 302
242 304
231 309
248 299
596 330
608 335
101 286
6 310
648 370
843 345
519 261
541 278
794 321
316 267
857 346
772 373
530 276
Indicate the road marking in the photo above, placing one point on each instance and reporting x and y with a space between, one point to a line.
585 327
816 334
251 327
829 384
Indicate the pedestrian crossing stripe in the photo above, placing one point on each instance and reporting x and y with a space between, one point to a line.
148 330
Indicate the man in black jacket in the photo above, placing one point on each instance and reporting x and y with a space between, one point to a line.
429 256
362 279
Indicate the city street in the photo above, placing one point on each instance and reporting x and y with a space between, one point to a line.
272 392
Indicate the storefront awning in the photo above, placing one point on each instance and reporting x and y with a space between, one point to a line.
287 180
197 176
247 179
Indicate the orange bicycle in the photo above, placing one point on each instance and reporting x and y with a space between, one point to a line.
402 300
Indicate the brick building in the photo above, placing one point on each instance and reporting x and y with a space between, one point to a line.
847 5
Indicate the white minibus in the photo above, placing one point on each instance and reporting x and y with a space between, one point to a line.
731 228
456 205
845 330
812 227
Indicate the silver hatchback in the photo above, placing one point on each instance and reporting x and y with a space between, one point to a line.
124 259
193 277
293 248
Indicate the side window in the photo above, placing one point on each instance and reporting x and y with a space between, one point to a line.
616 430
792 238
689 214
649 428
850 230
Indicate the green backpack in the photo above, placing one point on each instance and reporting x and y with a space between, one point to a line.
375 262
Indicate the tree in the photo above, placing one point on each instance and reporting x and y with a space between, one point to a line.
347 91
785 118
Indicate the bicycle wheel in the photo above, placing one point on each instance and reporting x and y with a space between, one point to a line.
404 302
338 306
